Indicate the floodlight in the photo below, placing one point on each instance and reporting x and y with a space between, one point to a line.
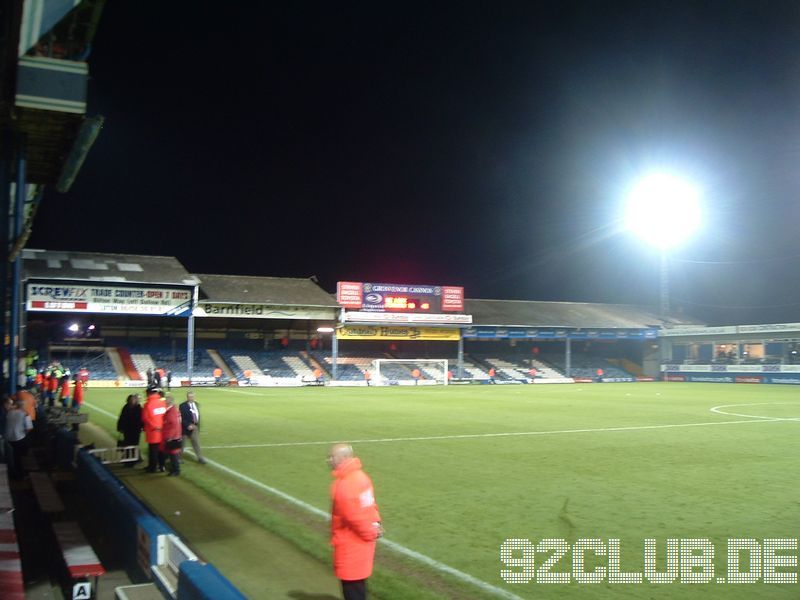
73 328
324 329
663 209
90 328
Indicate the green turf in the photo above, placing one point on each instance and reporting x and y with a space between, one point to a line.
456 500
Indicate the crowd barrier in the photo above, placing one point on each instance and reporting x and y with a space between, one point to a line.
140 535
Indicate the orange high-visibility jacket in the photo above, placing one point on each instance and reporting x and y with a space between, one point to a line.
354 520
153 418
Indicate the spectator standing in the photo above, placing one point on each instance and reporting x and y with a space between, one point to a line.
355 522
157 377
29 403
492 374
18 425
65 391
50 385
190 422
77 394
149 376
129 423
169 380
171 441
153 422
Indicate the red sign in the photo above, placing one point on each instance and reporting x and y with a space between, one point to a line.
59 305
348 294
452 299
749 380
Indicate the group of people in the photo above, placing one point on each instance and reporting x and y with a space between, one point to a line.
165 426
56 384
158 377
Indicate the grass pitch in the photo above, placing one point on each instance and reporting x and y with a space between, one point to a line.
460 469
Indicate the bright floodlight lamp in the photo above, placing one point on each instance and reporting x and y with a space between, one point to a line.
663 210
73 328
324 329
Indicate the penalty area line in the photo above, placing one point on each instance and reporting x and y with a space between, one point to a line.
413 554
469 436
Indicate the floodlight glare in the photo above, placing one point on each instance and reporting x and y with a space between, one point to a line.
663 210
73 328
325 329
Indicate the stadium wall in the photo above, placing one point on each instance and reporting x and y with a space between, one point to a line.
772 374
136 530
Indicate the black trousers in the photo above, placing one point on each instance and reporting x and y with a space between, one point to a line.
354 590
153 456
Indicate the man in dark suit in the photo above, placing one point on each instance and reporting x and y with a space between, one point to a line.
190 420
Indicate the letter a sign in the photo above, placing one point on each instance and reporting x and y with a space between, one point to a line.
82 591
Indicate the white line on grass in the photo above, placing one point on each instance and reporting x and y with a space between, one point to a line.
100 410
719 411
427 560
400 549
467 436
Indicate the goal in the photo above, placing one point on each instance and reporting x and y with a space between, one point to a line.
396 371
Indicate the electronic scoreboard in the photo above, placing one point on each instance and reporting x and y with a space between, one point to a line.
400 298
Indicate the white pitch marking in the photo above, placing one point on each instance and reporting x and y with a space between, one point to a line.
493 435
427 560
100 410
717 409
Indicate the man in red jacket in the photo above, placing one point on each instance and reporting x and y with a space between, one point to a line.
355 522
152 423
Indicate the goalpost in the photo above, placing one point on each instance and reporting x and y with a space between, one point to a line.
397 371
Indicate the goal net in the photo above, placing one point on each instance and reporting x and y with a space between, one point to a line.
422 371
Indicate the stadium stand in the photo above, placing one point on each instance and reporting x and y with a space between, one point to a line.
584 365
349 368
154 355
260 362
95 360
545 370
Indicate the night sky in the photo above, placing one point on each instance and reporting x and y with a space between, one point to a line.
484 144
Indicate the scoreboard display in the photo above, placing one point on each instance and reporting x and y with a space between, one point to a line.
402 298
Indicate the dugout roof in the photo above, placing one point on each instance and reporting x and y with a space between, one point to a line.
282 291
522 313
110 268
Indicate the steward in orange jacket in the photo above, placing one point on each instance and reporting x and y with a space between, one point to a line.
355 521
152 423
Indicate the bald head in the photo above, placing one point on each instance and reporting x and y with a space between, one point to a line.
338 454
